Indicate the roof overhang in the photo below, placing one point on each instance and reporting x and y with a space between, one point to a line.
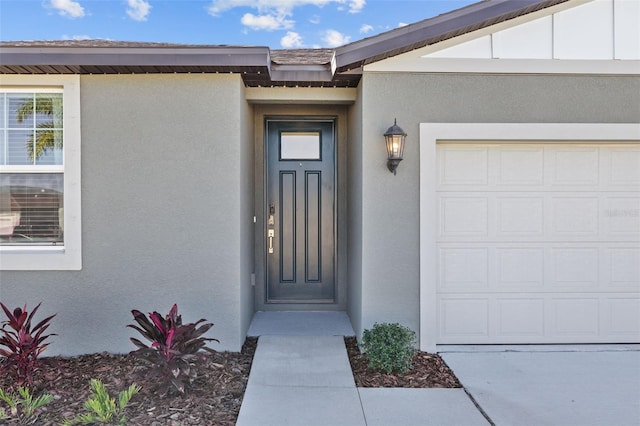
258 66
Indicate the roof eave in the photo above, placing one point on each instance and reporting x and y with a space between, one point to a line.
126 56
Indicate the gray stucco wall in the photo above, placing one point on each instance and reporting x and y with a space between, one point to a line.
354 207
166 176
246 216
389 275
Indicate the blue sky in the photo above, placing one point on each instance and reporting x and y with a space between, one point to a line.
274 23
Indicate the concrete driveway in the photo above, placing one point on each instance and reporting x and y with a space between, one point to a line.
552 385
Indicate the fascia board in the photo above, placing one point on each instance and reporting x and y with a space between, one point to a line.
257 57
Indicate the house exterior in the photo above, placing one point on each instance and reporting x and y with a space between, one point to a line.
231 180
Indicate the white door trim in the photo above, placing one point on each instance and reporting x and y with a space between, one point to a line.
432 133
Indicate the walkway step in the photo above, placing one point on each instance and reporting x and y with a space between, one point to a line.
304 323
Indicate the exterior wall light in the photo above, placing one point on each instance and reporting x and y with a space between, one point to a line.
394 137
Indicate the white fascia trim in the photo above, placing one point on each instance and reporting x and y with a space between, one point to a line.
58 258
432 133
508 66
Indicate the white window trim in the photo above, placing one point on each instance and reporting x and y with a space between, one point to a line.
68 257
432 133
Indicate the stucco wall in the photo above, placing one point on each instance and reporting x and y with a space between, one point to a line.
164 164
390 204
354 207
246 215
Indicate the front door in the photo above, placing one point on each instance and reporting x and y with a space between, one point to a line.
300 217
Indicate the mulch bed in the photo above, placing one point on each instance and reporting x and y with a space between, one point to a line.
428 371
213 399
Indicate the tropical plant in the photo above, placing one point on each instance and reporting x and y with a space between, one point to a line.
389 347
47 135
23 342
23 405
102 408
173 346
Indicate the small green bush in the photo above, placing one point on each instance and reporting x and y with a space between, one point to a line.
389 347
101 407
23 405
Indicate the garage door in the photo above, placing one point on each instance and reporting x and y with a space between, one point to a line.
538 242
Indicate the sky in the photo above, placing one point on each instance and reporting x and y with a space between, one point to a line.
278 24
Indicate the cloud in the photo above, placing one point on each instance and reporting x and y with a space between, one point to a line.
138 10
283 6
69 8
266 22
402 24
333 38
77 37
277 10
315 19
291 40
356 6
366 28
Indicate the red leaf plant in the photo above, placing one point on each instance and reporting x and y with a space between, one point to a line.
22 342
174 346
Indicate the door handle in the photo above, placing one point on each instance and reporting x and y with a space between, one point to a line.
270 234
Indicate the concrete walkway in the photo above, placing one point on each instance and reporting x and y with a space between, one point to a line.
302 377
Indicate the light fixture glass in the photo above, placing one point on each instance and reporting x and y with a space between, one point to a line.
394 138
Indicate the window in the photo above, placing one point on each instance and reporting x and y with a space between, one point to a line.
39 173
300 146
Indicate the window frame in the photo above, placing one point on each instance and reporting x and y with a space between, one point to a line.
69 255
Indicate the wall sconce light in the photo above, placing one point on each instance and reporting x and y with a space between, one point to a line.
394 137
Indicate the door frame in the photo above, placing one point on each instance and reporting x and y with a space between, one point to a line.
337 114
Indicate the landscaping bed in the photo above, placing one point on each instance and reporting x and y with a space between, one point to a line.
427 371
215 396
213 399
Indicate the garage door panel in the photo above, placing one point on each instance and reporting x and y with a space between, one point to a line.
519 268
574 166
623 267
516 165
463 267
538 216
520 317
575 318
463 165
574 216
517 215
576 267
539 318
538 243
464 216
465 318
621 216
624 166
622 317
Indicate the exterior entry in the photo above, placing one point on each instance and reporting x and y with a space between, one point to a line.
300 211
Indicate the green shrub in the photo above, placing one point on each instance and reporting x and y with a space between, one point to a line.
23 405
389 347
101 407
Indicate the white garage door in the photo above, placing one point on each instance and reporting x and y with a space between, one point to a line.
538 242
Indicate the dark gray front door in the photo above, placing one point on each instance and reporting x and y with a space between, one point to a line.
300 226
